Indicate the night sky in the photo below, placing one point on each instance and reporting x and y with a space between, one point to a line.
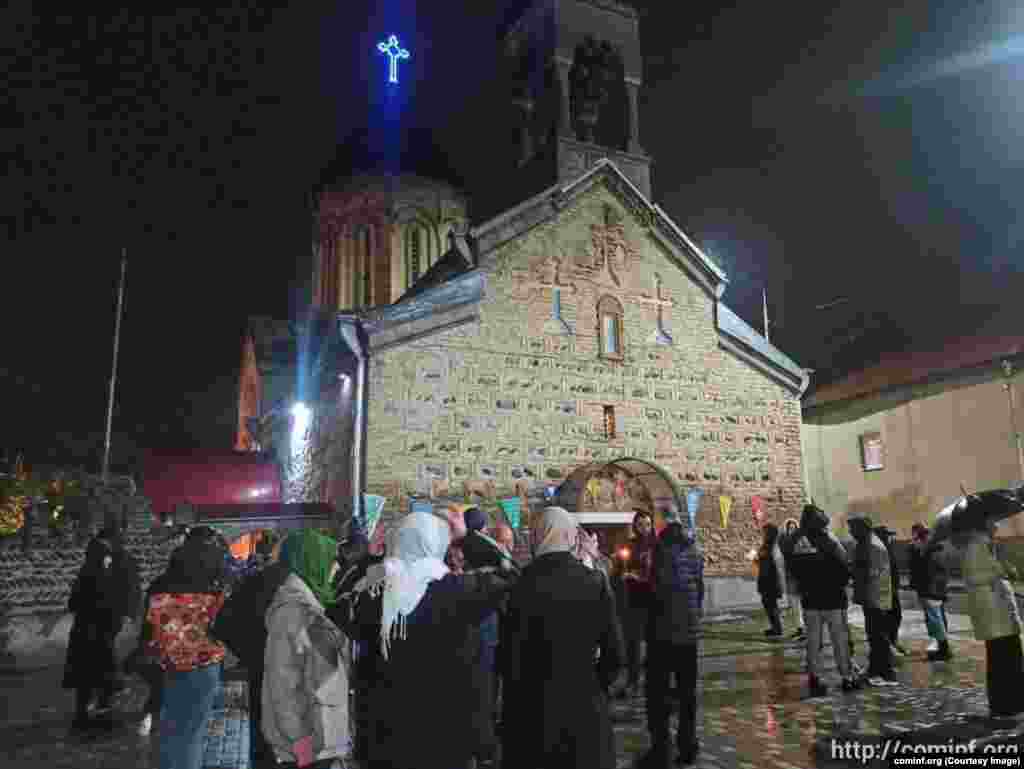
847 152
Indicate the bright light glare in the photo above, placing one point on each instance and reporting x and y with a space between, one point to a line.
300 421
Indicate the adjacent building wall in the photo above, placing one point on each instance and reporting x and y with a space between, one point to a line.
513 398
936 437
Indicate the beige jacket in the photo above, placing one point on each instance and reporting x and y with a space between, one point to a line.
990 599
305 679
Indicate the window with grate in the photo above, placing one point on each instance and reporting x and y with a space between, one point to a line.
609 422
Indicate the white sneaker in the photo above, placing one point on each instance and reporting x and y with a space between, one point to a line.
933 646
145 725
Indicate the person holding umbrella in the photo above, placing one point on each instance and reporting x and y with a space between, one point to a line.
992 606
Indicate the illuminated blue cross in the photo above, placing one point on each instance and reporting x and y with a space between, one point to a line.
394 52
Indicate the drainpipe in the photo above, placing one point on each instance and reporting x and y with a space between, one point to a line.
1008 386
355 337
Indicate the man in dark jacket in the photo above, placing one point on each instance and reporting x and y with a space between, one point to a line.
673 629
895 614
358 616
482 552
820 564
241 626
930 578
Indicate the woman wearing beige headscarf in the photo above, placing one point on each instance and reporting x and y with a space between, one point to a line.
560 615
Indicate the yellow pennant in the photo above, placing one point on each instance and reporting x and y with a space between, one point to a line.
724 506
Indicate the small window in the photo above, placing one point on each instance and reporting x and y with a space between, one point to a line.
610 329
871 451
414 255
609 422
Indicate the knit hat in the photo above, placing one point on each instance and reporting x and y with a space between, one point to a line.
476 519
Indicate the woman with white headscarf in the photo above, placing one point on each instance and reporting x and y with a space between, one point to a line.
561 616
425 705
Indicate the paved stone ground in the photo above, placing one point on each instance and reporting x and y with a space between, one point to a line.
754 710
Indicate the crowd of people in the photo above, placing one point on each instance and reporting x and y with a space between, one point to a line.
433 648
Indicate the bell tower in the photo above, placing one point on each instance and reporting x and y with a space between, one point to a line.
573 71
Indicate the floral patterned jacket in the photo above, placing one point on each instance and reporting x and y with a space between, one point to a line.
178 624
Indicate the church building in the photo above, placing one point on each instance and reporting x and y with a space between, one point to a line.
571 342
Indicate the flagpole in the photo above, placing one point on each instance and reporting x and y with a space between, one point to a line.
113 370
764 295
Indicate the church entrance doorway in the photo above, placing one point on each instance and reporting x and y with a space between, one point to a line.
605 496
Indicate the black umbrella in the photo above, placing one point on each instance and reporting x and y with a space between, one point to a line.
975 512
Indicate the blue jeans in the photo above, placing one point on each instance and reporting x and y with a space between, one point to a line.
934 620
188 701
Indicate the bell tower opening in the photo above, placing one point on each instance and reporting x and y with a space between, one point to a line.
573 75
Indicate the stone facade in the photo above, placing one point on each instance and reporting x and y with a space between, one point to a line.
523 395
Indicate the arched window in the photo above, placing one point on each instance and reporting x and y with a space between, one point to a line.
362 274
610 328
417 253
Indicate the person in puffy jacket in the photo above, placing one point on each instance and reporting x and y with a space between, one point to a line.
305 679
929 578
872 589
995 618
820 564
673 633
771 578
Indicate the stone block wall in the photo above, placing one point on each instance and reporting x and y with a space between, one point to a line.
518 399
35 585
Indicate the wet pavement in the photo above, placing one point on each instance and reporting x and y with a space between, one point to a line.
754 710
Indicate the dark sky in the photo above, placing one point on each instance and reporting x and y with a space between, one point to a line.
847 151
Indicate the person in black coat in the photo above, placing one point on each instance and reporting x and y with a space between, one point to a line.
482 552
425 702
821 565
358 616
560 615
771 578
241 627
929 577
105 593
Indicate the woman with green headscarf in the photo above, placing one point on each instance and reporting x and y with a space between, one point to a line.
305 681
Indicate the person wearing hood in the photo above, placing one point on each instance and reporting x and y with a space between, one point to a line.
872 589
771 578
821 565
787 538
895 614
103 595
561 615
992 606
632 581
182 604
305 680
929 577
429 638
